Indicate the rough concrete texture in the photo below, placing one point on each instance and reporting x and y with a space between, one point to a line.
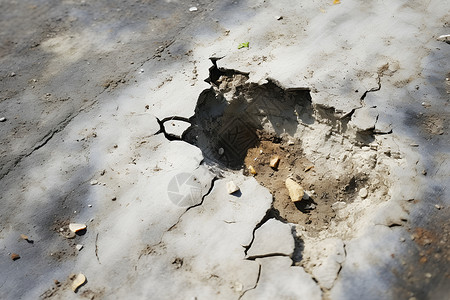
106 120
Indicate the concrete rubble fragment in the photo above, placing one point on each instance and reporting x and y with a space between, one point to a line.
282 242
232 187
295 190
75 227
15 256
79 280
363 193
274 162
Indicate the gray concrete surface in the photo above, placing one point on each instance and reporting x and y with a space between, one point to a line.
84 86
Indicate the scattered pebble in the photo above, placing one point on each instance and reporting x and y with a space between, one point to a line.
232 187
428 275
193 8
295 190
238 287
141 71
75 227
12 74
308 168
15 256
79 281
2 119
402 239
363 193
89 205
278 17
426 104
274 162
114 199
24 237
221 151
79 247
437 206
94 182
290 142
252 170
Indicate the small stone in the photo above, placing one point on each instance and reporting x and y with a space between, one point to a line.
94 182
79 247
24 237
437 206
363 193
193 8
232 187
238 287
252 170
279 17
221 151
75 227
290 142
2 119
295 190
15 256
114 199
141 71
79 281
12 74
89 205
428 275
308 168
274 162
402 239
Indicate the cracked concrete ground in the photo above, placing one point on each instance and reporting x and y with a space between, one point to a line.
106 121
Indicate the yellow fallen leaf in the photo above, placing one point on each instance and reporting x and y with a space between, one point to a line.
336 2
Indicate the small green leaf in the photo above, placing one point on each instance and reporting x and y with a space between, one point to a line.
243 45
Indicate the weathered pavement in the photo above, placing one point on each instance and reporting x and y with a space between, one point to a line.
83 84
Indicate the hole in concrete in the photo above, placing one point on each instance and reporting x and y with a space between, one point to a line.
240 125
232 117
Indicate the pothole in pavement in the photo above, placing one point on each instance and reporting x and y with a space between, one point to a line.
333 155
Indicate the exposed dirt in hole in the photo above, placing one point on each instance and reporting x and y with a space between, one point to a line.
323 189
238 123
229 114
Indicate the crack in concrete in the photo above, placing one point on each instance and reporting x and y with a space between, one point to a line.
372 89
170 136
96 249
254 257
60 127
256 283
213 180
270 214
